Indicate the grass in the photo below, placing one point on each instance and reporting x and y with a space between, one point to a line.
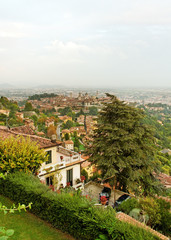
29 227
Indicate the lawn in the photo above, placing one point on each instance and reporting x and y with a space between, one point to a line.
29 227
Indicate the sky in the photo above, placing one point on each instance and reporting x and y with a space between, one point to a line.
85 43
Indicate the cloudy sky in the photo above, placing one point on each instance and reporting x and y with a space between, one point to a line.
105 43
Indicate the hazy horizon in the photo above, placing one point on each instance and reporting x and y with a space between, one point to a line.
117 44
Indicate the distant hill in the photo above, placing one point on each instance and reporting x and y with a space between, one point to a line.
6 86
49 86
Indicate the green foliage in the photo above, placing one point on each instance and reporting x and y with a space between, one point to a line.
43 95
165 217
9 232
122 146
93 111
20 154
65 111
128 205
159 214
68 124
102 237
7 104
66 136
162 132
69 212
3 117
13 107
81 112
29 227
28 107
6 233
95 176
14 208
154 212
85 174
150 207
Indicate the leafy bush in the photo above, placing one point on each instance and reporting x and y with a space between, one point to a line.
69 212
20 154
165 221
128 205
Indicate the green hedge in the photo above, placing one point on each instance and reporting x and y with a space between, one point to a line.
69 212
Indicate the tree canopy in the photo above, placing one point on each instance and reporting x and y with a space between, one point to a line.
28 107
122 146
20 154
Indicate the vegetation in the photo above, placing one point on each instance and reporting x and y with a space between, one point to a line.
28 107
156 211
122 147
85 174
27 226
65 111
93 111
20 154
7 104
43 95
12 106
72 213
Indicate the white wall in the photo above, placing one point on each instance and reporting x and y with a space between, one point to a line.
76 174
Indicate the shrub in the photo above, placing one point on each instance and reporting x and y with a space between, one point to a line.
165 221
69 212
128 205
20 153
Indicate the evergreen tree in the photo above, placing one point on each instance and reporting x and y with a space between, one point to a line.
122 147
28 107
66 136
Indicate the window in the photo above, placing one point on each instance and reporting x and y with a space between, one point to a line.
70 177
49 181
49 154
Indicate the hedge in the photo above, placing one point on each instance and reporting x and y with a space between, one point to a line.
71 213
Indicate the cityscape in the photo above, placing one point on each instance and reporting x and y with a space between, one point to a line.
85 120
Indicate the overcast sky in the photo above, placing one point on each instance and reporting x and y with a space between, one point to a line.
105 43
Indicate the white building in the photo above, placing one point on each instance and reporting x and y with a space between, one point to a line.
63 167
69 144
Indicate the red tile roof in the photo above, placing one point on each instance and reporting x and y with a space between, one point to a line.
164 179
69 142
42 142
23 129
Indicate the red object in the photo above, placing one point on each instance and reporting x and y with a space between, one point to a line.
70 154
61 157
83 178
103 200
68 184
52 187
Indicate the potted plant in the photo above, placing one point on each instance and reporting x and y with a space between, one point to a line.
103 200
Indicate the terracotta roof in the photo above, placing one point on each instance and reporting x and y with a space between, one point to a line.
164 179
65 131
126 218
40 133
69 142
84 157
85 164
23 129
42 142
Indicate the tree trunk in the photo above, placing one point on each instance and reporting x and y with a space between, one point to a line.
114 187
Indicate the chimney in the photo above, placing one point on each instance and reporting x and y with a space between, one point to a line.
53 138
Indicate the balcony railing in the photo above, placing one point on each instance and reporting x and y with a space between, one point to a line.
60 164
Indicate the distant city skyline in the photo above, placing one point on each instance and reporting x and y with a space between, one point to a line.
86 43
